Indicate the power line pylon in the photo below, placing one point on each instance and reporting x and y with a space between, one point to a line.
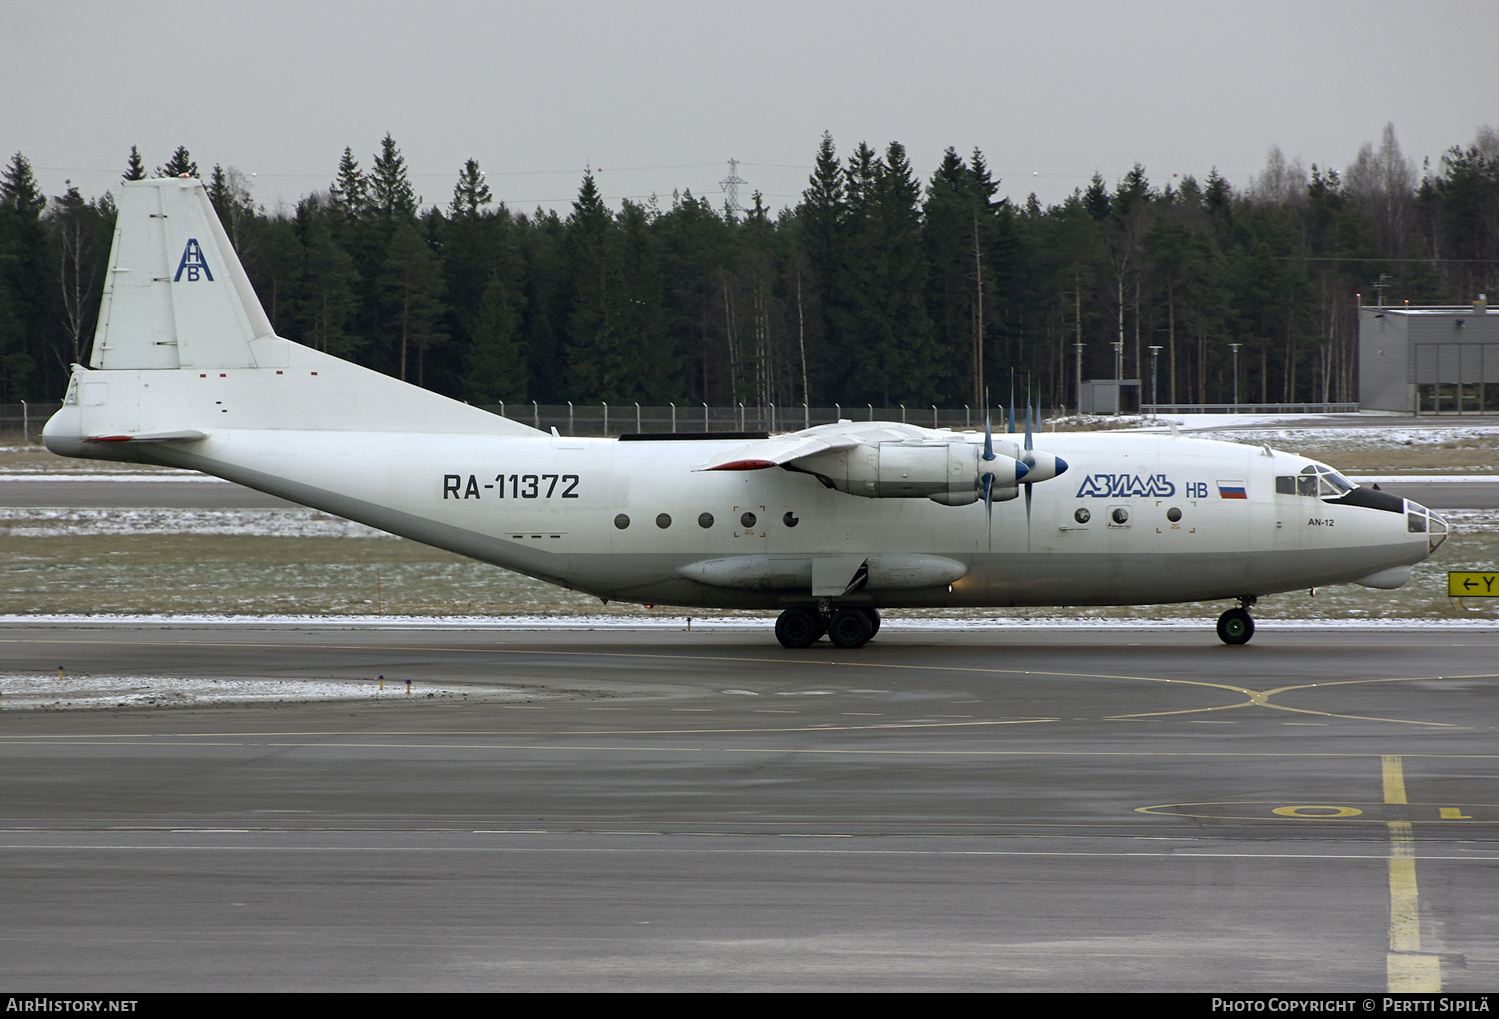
730 186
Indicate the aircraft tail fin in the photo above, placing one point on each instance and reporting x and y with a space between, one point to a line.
185 353
176 295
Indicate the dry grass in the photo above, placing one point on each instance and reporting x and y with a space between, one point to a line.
149 574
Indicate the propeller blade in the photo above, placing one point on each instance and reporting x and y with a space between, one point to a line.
988 476
988 431
1029 459
989 508
1028 520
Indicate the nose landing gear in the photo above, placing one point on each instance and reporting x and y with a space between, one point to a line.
1236 626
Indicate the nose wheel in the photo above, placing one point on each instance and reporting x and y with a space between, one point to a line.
1235 626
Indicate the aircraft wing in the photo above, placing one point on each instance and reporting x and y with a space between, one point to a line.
786 449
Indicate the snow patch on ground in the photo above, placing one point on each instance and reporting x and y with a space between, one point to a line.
79 691
67 522
51 473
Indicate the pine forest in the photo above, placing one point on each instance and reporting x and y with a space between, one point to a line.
875 287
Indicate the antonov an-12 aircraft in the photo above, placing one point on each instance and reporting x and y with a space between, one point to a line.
829 524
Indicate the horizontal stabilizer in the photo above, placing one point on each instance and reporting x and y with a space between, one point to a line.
181 435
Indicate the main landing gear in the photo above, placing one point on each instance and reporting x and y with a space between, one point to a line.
847 627
1236 626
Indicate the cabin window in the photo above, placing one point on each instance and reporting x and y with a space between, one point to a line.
705 520
1082 516
621 521
663 520
1173 514
747 520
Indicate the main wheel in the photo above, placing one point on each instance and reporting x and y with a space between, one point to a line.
1235 626
850 628
874 620
797 628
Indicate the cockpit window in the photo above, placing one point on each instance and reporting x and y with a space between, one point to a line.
1331 479
1315 481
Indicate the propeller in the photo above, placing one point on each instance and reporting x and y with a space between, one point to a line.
1038 466
987 477
1029 459
988 466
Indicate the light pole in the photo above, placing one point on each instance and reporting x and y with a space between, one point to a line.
1155 396
1235 348
1118 346
1078 348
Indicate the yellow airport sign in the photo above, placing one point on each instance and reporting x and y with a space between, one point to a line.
1472 584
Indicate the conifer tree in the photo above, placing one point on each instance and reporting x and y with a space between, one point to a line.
390 184
349 192
414 290
471 193
26 291
822 220
180 163
19 190
81 233
135 167
954 235
329 287
496 364
591 320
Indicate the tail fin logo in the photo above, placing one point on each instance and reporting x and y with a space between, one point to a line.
192 263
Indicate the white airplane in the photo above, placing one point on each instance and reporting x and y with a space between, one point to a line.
829 524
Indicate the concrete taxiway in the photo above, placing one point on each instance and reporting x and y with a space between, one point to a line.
987 809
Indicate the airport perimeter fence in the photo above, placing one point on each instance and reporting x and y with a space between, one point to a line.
1249 408
686 418
22 422
619 419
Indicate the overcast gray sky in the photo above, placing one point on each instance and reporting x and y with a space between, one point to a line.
659 94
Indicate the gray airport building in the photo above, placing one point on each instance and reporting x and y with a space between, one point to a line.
1429 360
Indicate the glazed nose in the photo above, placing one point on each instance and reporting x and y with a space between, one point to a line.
1420 520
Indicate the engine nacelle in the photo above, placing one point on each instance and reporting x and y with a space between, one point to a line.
944 471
